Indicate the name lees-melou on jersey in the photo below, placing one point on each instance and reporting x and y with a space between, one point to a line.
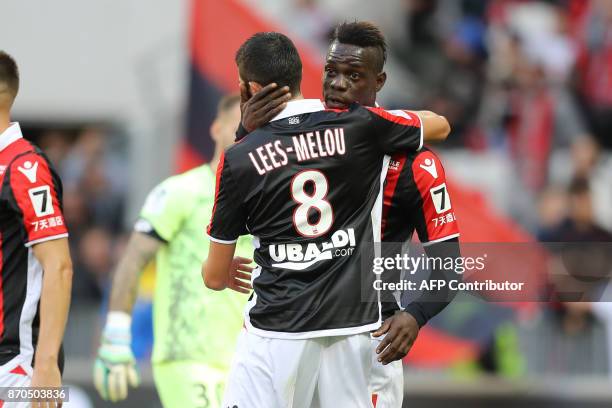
306 146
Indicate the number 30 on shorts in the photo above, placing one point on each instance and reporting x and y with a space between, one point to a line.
316 201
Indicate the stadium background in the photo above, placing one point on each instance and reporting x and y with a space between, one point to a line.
121 94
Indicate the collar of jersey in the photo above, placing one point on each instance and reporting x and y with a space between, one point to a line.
300 107
10 135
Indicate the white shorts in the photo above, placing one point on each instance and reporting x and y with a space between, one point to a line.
326 372
15 373
386 381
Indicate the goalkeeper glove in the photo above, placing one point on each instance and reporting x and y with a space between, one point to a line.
115 366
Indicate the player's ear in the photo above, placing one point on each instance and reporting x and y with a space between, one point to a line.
381 78
215 128
254 87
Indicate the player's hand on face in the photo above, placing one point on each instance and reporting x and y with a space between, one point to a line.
240 275
45 377
263 106
401 331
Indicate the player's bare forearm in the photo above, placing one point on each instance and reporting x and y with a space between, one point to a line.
216 268
435 127
139 252
54 257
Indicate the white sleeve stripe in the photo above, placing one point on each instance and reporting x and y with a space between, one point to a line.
422 132
38 241
441 239
221 241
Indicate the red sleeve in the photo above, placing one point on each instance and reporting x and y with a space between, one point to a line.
36 195
397 130
440 222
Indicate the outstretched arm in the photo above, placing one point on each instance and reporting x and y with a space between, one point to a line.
115 367
435 127
140 251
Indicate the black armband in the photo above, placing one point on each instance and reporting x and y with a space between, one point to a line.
433 301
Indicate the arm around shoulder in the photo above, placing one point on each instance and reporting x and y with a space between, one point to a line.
435 127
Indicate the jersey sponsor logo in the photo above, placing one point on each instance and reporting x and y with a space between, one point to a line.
294 120
42 201
46 223
29 170
394 165
440 198
444 219
298 257
429 166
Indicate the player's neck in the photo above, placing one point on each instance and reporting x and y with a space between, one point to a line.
297 96
5 121
214 162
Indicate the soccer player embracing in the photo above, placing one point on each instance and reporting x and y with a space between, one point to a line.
309 187
416 195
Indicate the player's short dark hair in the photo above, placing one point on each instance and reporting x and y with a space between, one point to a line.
9 73
362 34
227 103
270 57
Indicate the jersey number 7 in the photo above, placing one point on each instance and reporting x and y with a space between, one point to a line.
41 200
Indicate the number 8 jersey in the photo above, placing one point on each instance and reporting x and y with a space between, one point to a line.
308 187
30 212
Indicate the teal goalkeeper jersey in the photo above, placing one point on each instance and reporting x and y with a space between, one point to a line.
191 322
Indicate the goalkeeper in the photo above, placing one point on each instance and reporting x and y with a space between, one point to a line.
195 328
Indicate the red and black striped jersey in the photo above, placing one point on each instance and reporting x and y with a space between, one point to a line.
30 213
308 187
417 198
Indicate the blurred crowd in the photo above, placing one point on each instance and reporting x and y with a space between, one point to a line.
91 163
529 79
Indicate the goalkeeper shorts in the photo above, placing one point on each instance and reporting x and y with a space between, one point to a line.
183 384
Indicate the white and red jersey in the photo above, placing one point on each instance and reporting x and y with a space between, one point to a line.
417 198
30 213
